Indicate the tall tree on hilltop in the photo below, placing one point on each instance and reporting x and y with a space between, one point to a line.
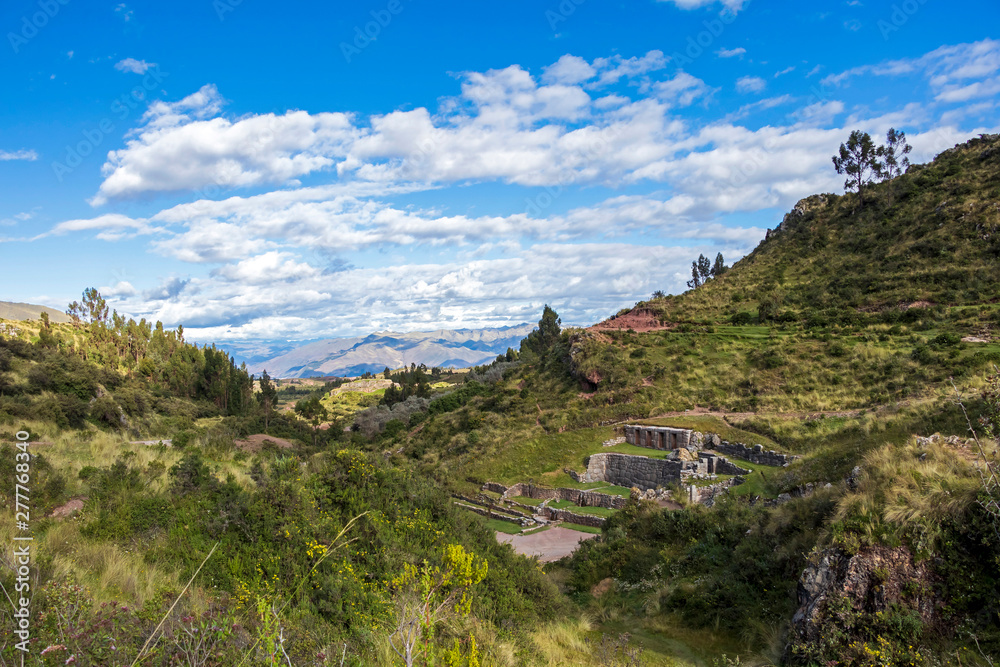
546 335
695 281
94 308
701 272
719 267
859 160
704 268
894 152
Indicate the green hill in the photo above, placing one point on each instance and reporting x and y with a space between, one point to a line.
27 311
870 315
930 237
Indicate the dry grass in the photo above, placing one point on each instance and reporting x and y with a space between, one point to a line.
563 642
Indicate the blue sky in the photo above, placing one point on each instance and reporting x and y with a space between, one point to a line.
260 173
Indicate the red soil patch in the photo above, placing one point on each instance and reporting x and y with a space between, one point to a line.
68 510
637 320
256 442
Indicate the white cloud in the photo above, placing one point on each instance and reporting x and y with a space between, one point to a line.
615 68
28 155
683 90
730 53
731 5
956 73
569 70
132 65
175 152
615 122
121 289
820 113
590 279
785 71
750 84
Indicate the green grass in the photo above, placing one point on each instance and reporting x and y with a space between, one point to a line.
593 530
576 509
503 526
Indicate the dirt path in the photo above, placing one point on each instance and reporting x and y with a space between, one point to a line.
548 545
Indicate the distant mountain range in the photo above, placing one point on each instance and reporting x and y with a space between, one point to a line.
10 310
354 356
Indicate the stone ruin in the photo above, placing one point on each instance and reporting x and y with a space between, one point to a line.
659 437
645 475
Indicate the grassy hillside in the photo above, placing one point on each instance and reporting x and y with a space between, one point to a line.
930 237
28 311
852 357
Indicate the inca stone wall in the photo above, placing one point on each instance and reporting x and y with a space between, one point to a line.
640 471
706 494
658 437
571 517
575 496
755 454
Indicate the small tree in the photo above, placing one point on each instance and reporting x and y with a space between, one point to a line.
428 595
719 267
267 397
894 152
696 280
704 268
859 161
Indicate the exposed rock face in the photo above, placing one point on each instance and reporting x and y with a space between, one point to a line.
870 581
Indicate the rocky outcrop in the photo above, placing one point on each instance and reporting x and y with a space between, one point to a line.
868 582
706 495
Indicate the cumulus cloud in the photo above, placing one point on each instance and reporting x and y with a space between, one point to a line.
176 151
569 70
750 84
583 281
683 90
678 177
132 65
